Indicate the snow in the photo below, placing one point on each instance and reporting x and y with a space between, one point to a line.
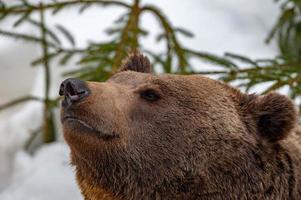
44 176
238 26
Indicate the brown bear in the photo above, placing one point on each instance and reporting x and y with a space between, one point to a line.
142 136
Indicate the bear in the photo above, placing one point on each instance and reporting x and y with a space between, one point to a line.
144 136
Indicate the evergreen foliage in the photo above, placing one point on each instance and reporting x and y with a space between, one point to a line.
282 71
100 59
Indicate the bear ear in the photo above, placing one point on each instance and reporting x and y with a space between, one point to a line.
275 116
136 62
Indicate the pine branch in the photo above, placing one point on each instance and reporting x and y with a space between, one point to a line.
24 37
66 52
213 59
256 69
30 8
48 126
49 32
129 37
67 34
280 84
170 36
19 101
45 44
32 138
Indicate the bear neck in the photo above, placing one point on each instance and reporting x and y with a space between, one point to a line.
111 177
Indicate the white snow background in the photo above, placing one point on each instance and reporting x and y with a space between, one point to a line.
238 26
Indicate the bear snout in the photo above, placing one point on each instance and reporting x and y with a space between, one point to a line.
74 90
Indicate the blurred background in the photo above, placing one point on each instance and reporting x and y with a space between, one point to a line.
254 45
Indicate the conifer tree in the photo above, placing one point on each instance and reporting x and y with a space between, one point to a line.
100 59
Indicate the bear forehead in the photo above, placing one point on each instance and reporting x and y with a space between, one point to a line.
192 90
195 82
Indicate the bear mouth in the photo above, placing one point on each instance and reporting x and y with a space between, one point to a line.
83 126
72 119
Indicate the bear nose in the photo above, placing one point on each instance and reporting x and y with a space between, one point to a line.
74 90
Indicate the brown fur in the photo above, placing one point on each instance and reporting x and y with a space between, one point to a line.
136 62
201 139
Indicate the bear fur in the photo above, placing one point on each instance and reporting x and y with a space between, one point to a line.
144 136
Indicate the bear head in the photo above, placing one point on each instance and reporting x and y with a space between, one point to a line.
145 136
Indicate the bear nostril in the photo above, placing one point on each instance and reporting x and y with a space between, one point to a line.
73 90
62 90
70 89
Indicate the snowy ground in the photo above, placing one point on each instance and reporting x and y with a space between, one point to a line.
238 26
46 176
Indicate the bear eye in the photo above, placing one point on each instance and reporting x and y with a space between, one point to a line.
150 95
